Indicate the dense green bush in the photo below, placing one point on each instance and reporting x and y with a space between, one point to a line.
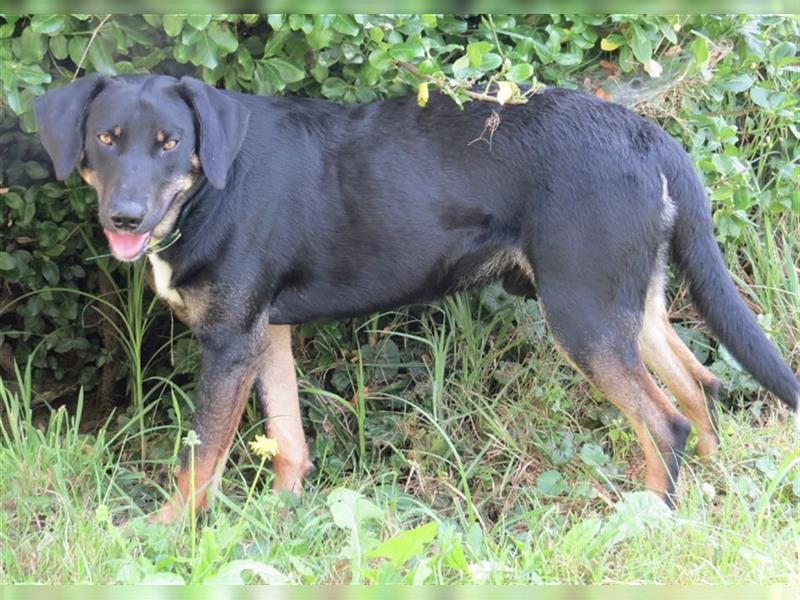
729 91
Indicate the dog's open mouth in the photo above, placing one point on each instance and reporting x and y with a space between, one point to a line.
127 246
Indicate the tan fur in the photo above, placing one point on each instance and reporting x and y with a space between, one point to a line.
282 407
648 409
160 137
676 366
162 281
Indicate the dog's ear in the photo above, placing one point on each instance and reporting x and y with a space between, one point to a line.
223 125
60 115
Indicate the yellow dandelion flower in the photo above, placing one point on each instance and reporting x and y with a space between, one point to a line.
264 447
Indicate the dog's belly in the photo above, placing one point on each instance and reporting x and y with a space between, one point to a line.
376 291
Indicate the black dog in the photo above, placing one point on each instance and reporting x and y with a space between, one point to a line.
260 212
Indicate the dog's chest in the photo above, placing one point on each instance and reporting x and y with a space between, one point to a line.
162 281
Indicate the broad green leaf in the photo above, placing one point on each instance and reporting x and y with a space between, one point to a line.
346 24
380 59
101 58
640 44
58 46
520 73
334 88
550 482
223 37
736 83
7 262
475 52
231 573
199 22
30 47
700 51
50 272
406 544
47 24
173 24
349 509
286 70
760 96
407 52
205 52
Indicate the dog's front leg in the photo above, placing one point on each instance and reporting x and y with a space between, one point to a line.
229 367
277 392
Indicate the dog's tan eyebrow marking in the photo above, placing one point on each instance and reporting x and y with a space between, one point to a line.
160 136
117 131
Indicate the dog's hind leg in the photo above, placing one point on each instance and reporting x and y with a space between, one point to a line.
595 315
277 392
610 359
691 383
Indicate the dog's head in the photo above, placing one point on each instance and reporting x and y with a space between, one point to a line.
141 142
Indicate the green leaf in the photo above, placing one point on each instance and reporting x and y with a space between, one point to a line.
223 37
593 455
406 544
275 42
346 24
100 55
7 30
7 262
334 88
231 573
640 44
490 61
475 52
700 51
31 46
736 83
350 509
407 51
288 72
50 272
760 96
33 75
520 73
75 48
199 22
550 483
58 46
381 59
173 24
47 24
205 52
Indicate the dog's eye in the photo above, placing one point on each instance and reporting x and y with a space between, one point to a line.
169 145
105 138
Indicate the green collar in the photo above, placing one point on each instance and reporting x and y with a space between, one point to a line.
174 235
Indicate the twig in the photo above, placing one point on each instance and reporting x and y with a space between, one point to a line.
449 88
89 45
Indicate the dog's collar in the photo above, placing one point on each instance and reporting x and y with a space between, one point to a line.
174 235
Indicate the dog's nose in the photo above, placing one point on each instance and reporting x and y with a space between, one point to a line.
127 216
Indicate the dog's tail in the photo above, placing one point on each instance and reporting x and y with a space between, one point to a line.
713 292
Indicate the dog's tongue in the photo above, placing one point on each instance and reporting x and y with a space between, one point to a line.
126 246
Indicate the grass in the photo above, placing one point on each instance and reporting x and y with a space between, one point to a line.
452 445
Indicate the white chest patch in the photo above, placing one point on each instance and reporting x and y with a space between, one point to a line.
162 277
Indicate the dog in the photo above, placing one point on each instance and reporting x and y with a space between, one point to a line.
257 213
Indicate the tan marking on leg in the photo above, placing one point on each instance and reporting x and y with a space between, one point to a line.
653 417
209 463
282 407
678 369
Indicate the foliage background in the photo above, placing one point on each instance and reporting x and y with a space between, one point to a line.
728 91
